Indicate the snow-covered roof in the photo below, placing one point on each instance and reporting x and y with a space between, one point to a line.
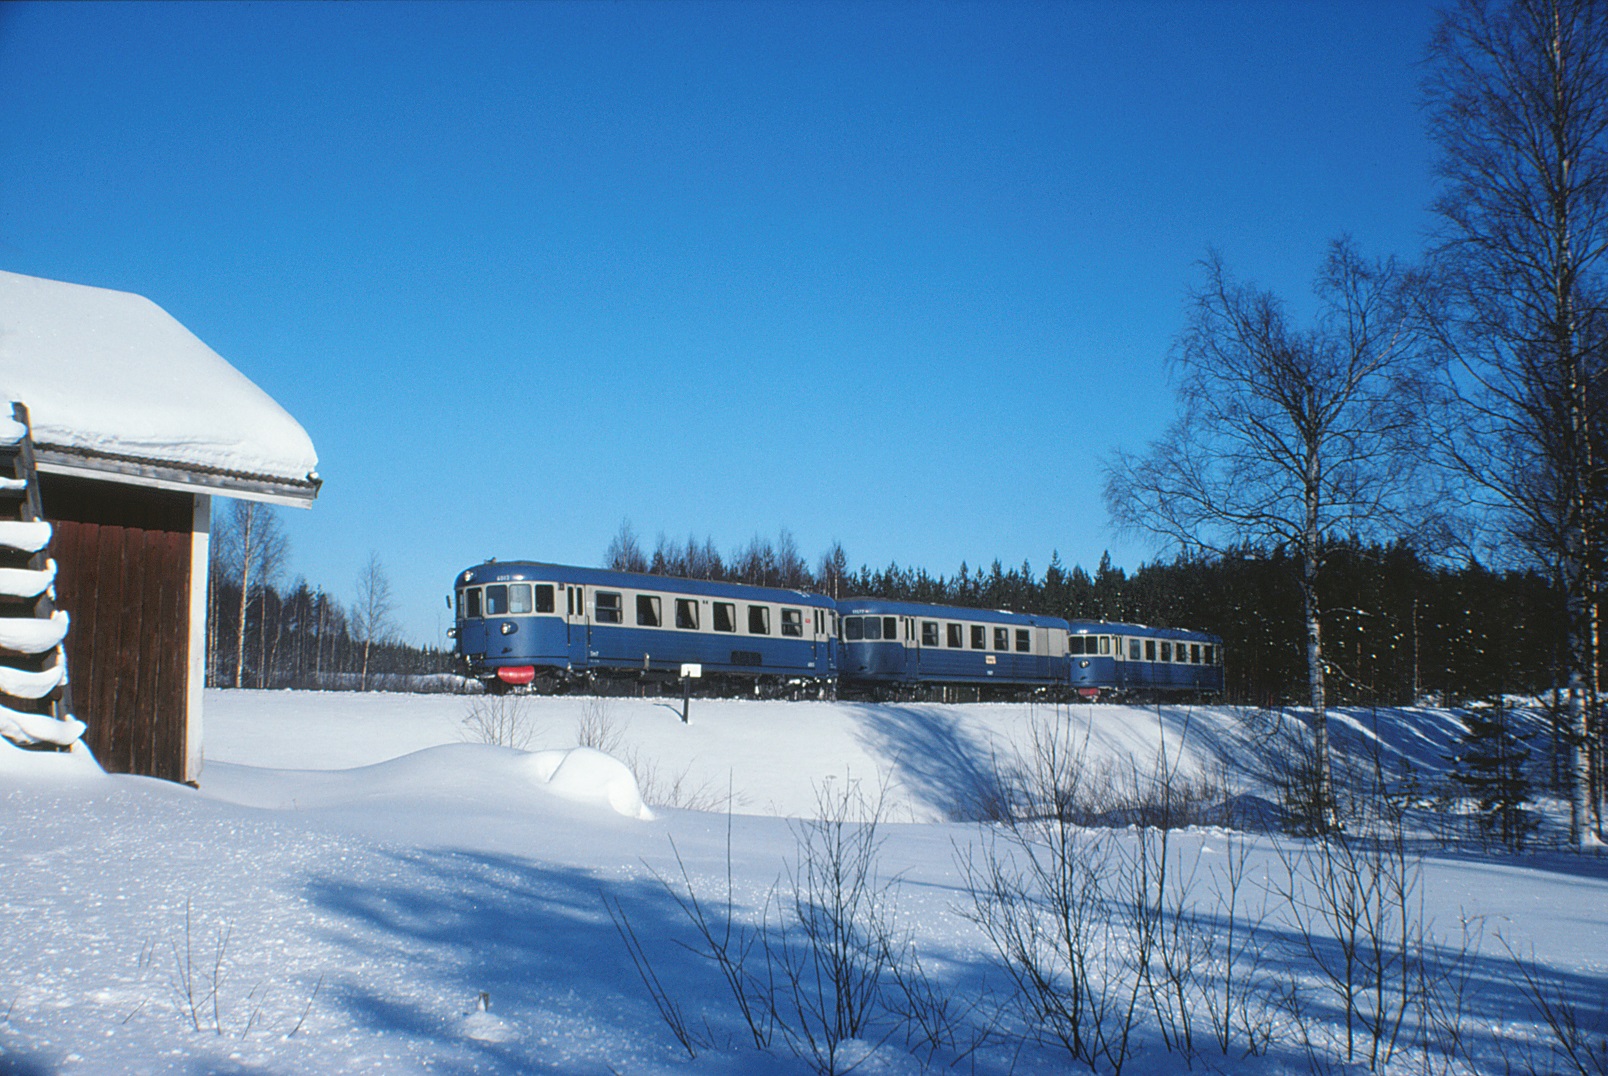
116 388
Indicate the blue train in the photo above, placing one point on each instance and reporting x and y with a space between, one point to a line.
551 627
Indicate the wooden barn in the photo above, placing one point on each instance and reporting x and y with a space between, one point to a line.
126 427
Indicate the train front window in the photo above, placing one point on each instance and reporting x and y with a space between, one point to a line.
1024 641
793 623
519 599
471 603
725 616
687 614
853 628
544 598
609 609
1105 644
497 600
873 628
929 633
1074 645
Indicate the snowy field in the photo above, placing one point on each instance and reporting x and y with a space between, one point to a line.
357 887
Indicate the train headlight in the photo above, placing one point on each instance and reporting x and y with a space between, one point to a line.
1083 664
509 627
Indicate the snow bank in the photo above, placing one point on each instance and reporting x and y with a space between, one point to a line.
27 582
113 372
19 763
451 775
30 536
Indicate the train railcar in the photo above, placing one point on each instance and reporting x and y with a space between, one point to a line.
901 648
1137 660
554 626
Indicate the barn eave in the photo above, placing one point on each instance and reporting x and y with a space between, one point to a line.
176 476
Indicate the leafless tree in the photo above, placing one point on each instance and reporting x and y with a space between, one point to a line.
254 548
1518 100
624 553
1287 436
371 615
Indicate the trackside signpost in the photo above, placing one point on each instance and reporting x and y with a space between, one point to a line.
690 671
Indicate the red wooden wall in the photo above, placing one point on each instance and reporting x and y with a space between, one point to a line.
123 575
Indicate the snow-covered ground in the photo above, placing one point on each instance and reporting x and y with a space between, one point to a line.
358 887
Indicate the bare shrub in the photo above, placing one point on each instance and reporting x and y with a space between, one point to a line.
826 966
500 720
597 727
1577 1036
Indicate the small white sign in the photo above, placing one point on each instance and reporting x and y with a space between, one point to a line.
691 671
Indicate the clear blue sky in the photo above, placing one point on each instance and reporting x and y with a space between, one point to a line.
898 275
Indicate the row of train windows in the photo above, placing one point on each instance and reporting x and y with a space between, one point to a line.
875 628
514 599
1147 650
650 614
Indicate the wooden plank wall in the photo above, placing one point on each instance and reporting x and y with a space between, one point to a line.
123 575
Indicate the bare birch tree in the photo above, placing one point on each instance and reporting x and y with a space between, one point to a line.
371 616
1287 437
256 548
1518 99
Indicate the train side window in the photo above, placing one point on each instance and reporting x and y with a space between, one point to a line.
687 614
759 620
609 609
460 605
471 603
544 598
649 612
1024 641
853 628
1133 649
979 636
1194 653
955 639
1002 638
1166 651
929 633
1208 652
497 600
793 622
1105 644
519 599
1183 654
725 616
890 628
1150 650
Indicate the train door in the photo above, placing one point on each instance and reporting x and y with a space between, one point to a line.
577 625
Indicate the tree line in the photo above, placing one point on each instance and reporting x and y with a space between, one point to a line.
1404 628
265 633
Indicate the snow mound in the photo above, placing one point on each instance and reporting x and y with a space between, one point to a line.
76 762
449 775
584 775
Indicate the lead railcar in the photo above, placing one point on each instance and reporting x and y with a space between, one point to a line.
558 627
